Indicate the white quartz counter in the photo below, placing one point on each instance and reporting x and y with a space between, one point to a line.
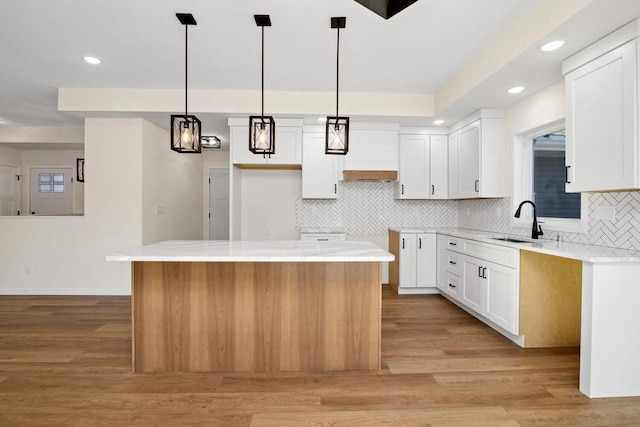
587 253
255 251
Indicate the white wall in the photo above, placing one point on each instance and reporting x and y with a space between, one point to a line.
10 157
52 158
66 254
210 159
171 184
268 201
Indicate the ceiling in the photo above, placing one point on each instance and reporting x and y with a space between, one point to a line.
141 44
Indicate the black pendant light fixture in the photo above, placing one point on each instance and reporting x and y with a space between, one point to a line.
337 128
262 129
185 129
386 8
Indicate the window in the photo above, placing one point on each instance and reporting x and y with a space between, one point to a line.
539 176
549 178
51 183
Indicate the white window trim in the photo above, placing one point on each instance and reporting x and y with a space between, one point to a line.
523 185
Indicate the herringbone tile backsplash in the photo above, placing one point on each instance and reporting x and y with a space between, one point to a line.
367 208
623 232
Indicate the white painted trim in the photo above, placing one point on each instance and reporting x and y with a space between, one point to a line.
522 184
485 113
606 44
244 121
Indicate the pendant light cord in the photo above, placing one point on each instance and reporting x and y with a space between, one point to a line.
186 74
262 113
337 72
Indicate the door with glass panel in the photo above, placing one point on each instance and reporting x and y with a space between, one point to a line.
51 191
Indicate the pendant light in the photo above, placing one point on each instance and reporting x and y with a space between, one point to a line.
185 129
262 129
337 128
386 8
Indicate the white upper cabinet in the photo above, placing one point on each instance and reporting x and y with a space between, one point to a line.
601 84
477 157
413 182
288 144
320 171
423 172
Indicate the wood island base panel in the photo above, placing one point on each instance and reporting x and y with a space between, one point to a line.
256 316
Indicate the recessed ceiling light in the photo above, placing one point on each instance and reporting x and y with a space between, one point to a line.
516 89
91 60
438 122
322 119
551 46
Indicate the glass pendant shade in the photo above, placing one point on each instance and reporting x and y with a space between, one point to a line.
262 135
337 135
185 134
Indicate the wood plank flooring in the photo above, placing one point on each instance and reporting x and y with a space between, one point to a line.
67 361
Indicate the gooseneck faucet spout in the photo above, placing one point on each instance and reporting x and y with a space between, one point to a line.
536 229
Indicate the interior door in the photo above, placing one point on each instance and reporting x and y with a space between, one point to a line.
51 191
9 191
219 204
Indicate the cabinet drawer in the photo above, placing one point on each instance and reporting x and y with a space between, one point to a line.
492 253
453 263
322 237
454 244
452 285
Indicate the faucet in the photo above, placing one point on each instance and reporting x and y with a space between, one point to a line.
536 229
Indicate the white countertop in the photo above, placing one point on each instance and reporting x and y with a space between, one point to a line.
587 253
322 230
255 251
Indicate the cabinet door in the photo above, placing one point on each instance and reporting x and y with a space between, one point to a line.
408 260
453 166
426 261
473 290
240 153
414 168
601 122
469 161
502 296
288 146
319 170
438 166
442 260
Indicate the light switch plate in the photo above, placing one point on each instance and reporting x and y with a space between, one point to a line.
159 210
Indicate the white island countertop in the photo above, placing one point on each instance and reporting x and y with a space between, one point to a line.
255 251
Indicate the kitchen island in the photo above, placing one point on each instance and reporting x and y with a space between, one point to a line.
264 306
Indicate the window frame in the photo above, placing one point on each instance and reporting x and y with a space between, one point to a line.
523 184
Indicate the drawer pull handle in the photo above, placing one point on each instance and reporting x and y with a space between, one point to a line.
484 272
479 271
403 243
477 185
452 262
402 188
419 243
453 244
452 286
323 240
433 189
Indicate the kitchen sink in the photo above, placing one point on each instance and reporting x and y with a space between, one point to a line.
509 239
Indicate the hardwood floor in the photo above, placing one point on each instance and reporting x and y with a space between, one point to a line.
67 361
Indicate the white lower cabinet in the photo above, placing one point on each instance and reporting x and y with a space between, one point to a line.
414 269
486 285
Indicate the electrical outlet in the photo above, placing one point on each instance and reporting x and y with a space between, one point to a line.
28 269
159 210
